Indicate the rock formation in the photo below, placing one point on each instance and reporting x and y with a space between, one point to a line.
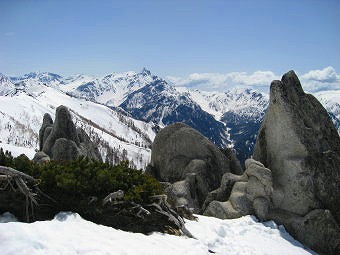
251 193
189 164
62 141
298 142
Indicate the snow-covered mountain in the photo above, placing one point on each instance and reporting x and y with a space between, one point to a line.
241 110
161 103
7 88
111 89
149 98
36 78
139 101
331 101
117 135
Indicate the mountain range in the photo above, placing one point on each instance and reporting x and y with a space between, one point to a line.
122 112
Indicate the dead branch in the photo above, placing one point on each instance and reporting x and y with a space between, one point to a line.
14 180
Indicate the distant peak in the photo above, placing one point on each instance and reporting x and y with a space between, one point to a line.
146 71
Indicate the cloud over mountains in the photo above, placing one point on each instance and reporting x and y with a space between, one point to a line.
312 81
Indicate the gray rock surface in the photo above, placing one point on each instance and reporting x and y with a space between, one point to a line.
41 157
62 141
86 147
299 143
47 123
191 164
318 229
251 193
63 127
65 150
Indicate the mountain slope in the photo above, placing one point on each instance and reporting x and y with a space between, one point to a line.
110 90
117 136
161 103
7 88
149 98
241 111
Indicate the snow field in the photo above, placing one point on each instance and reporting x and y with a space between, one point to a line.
69 234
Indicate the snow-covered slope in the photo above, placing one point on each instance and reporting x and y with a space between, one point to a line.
244 102
110 90
6 86
36 78
116 134
70 234
331 101
160 103
241 110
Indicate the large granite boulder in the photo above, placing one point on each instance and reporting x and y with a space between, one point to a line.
189 163
62 141
299 143
251 193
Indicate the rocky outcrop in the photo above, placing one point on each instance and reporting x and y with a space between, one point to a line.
45 130
251 193
189 164
298 142
62 141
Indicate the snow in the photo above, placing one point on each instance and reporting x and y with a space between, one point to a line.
18 150
244 102
68 233
21 118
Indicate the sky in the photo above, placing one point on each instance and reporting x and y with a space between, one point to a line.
175 38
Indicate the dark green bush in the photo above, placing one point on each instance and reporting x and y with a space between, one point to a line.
72 183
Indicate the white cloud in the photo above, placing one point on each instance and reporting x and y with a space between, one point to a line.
220 81
318 80
315 80
328 74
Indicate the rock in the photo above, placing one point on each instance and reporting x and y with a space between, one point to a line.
190 162
63 127
261 207
62 141
47 122
251 193
318 229
41 157
64 150
298 142
87 147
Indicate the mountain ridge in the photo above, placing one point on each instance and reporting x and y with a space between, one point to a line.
230 118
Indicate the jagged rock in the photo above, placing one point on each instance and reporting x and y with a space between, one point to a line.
251 194
62 141
190 162
41 157
47 123
299 143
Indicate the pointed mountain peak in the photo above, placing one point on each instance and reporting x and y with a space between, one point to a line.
145 72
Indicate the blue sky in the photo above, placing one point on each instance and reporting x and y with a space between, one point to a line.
171 38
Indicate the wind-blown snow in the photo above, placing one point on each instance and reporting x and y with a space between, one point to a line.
70 234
